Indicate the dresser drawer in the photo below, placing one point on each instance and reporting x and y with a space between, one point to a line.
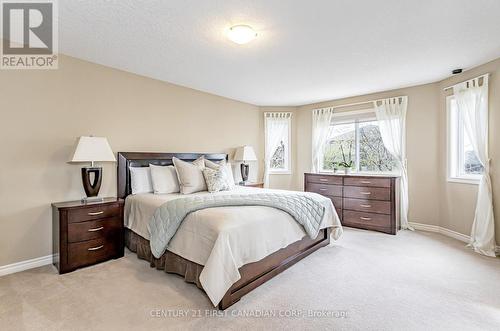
324 179
370 206
367 181
92 213
369 193
337 203
101 228
92 251
325 189
369 219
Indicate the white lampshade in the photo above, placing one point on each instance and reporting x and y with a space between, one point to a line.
245 153
93 149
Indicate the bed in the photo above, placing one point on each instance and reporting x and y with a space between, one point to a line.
216 248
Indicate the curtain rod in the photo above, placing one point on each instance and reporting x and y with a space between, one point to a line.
360 103
451 86
285 114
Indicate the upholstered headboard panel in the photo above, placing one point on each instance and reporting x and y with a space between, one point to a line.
144 159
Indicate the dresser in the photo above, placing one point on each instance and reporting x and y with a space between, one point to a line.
86 233
365 202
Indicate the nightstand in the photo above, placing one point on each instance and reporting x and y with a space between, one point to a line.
251 184
86 233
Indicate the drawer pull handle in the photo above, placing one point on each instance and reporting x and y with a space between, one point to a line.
323 180
96 229
322 189
366 193
366 206
95 248
96 213
365 182
366 218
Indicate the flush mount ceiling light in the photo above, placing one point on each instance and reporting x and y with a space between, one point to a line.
241 34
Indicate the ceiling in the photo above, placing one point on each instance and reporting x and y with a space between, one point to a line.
306 51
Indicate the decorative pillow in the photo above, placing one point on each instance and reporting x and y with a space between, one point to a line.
190 175
164 179
224 165
140 180
216 179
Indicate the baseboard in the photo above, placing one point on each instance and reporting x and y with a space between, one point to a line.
424 227
25 265
447 232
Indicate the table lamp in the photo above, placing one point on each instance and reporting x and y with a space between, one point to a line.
92 149
244 154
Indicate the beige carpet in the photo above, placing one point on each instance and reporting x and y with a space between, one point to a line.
368 281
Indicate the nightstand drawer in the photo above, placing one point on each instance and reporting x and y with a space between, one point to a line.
92 213
369 193
92 251
369 206
88 230
325 189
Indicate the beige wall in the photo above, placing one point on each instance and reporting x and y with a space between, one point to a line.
422 147
44 111
459 200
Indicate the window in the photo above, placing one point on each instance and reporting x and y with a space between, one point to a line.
278 126
355 140
463 164
278 160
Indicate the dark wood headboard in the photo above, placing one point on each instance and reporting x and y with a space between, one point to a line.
144 159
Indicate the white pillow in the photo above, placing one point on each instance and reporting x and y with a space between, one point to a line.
216 179
227 167
164 179
140 180
190 175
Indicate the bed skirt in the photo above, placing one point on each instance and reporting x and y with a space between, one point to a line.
168 262
252 274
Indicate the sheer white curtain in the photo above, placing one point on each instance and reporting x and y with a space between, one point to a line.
472 102
276 127
321 120
391 117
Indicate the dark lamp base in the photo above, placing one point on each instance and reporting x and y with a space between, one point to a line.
244 172
91 188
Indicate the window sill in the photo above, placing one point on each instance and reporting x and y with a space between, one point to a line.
285 172
470 181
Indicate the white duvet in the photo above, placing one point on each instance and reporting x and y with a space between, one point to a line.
223 239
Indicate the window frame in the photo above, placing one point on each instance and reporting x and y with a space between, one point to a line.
454 154
359 117
288 149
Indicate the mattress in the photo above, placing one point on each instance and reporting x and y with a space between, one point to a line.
224 238
199 230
